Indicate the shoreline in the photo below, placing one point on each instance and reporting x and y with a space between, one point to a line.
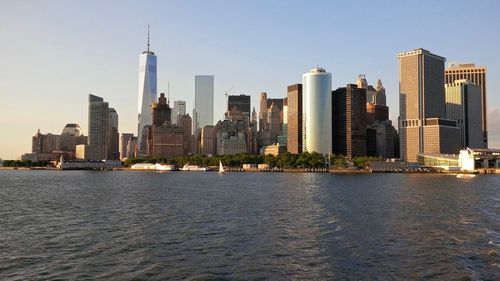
239 170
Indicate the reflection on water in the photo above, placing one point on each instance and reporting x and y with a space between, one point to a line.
132 225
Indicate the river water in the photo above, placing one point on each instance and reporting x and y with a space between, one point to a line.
86 225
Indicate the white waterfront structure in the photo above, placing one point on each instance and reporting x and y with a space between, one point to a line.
147 95
179 109
203 112
317 111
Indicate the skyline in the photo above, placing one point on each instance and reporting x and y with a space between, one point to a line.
93 52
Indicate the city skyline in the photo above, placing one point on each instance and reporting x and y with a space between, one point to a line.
269 68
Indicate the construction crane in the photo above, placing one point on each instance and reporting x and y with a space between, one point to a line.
226 93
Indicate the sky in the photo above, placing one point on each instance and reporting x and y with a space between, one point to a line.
54 53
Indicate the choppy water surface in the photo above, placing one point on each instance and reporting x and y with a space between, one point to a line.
197 226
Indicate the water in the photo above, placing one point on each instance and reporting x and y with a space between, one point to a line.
202 226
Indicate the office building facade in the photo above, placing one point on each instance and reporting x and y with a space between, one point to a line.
99 129
317 110
203 112
208 141
240 102
164 139
114 136
349 123
421 97
476 75
294 118
124 142
178 109
463 104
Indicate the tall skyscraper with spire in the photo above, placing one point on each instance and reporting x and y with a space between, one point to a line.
147 95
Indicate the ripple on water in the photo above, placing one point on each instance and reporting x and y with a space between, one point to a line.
199 226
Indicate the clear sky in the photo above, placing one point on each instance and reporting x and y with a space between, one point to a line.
54 53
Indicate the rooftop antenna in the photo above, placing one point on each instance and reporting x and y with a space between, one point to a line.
168 93
227 100
148 38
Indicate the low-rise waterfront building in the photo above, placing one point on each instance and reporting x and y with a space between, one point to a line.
447 162
89 165
468 159
40 157
393 166
273 149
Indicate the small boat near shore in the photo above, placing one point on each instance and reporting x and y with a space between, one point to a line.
194 168
157 167
465 176
221 168
164 167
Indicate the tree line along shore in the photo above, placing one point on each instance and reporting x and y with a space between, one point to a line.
286 160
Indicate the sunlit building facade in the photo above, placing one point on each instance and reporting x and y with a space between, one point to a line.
317 110
423 127
203 112
147 95
476 75
463 104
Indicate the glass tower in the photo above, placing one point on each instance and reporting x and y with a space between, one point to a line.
147 95
317 110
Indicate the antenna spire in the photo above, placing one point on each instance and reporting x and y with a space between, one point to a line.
148 38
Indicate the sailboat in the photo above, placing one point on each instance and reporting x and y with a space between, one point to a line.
221 168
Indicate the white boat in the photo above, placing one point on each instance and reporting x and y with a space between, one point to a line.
164 168
194 168
221 168
466 176
155 167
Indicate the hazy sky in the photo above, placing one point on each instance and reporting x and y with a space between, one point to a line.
54 53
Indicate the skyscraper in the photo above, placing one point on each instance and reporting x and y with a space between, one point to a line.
270 120
132 147
208 140
47 143
476 75
349 122
294 99
263 111
99 129
241 102
463 104
283 137
274 120
147 95
114 136
422 106
164 139
185 122
126 137
161 111
264 105
380 97
179 109
203 112
71 136
317 111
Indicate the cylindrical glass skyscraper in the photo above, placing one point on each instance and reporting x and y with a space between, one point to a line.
317 110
